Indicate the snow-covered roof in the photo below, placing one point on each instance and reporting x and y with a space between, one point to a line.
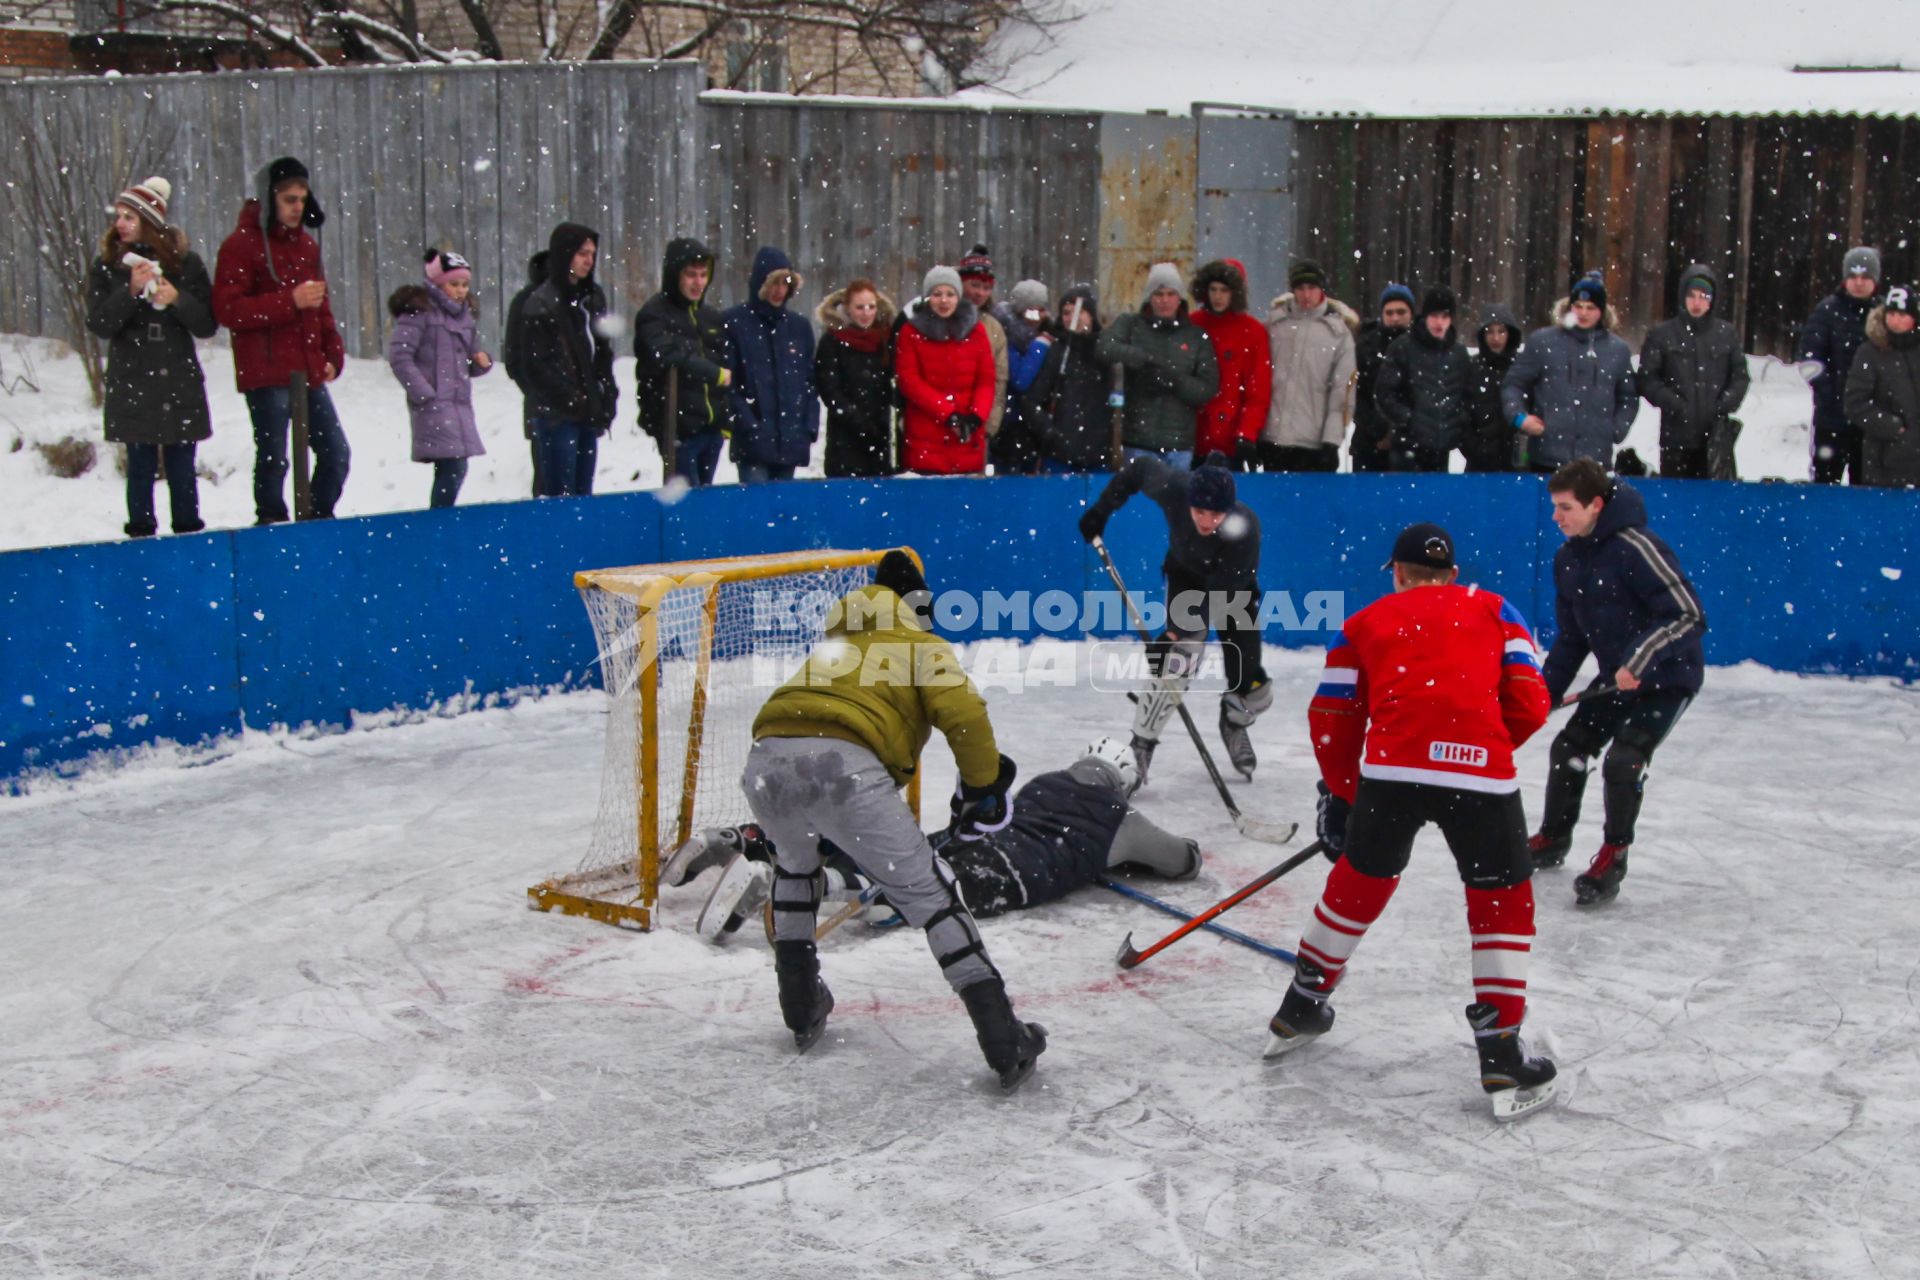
1476 58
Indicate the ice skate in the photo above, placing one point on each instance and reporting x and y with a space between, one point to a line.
1548 851
1600 882
713 847
1011 1047
1142 761
743 888
805 1001
1304 1013
1239 743
1516 1084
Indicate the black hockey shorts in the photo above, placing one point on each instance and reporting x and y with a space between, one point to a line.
1233 615
1487 833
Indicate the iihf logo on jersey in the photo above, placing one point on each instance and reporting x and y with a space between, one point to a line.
1457 753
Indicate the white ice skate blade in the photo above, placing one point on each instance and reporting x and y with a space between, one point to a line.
1517 1104
730 896
1278 1044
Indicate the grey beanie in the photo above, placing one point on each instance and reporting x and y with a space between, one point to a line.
1862 261
940 276
1164 275
1028 295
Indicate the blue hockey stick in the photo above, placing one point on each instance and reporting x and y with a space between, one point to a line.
1231 935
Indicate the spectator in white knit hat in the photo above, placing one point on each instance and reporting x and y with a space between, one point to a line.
149 297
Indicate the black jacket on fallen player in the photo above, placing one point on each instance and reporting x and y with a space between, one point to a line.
1058 840
1622 596
1225 561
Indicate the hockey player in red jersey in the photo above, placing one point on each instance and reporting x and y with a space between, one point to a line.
1426 694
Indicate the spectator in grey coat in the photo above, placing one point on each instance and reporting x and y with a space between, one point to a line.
1424 388
1883 391
1573 389
1832 334
1693 371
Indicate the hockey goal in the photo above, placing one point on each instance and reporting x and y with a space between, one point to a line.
689 651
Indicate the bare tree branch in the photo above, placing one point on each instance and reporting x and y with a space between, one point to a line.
277 35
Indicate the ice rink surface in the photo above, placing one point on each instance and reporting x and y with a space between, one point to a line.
284 1013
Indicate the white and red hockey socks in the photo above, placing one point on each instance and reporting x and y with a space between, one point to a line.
1348 905
1501 921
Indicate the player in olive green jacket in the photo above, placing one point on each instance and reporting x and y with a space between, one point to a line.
832 747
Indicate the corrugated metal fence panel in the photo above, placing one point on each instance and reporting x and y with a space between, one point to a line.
1245 200
1148 166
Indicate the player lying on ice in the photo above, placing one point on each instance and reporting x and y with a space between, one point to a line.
1427 692
1212 568
1068 828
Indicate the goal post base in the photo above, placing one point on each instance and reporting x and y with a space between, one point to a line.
553 896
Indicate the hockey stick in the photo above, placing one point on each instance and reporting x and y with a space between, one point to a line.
1231 935
853 907
1251 828
1598 691
1128 957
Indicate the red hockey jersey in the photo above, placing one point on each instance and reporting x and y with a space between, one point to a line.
1435 684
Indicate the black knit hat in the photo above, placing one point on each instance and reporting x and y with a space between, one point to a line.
899 574
1438 298
1904 298
976 263
1211 487
1591 287
1306 271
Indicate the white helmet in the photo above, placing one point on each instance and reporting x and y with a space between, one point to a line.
1119 754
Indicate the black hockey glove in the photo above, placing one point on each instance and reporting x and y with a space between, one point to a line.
1247 453
1330 823
963 425
978 812
1093 523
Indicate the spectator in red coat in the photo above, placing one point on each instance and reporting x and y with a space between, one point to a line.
1231 422
945 368
270 290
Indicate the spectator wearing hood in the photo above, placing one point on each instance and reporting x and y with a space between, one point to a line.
1372 434
1572 389
1883 391
1231 422
1693 371
1311 342
270 291
513 353
1171 373
853 368
1066 407
1023 318
944 365
976 286
148 298
1491 442
677 333
770 350
435 354
1830 338
571 396
1425 388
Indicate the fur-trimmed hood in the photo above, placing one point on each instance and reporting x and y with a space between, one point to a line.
1882 337
1282 308
832 311
768 263
408 299
952 329
1219 271
1610 321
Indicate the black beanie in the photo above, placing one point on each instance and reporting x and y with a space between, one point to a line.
1211 486
899 574
1438 298
1306 271
1591 287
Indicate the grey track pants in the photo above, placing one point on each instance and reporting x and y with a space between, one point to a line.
804 790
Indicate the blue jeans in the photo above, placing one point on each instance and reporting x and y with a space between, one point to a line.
568 453
271 409
695 457
757 473
144 462
448 475
1177 459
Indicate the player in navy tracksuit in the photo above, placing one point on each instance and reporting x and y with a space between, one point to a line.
1622 597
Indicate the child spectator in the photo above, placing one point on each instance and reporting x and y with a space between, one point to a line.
435 353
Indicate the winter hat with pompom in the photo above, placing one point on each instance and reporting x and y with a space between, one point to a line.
445 266
149 200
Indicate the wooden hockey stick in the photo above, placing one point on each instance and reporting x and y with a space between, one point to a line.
1128 957
1251 828
1598 691
1231 935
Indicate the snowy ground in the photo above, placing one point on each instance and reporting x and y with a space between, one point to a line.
284 1013
44 510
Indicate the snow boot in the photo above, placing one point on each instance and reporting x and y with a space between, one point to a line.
1548 851
743 888
1515 1082
1142 761
1304 1013
805 1001
1009 1045
1601 880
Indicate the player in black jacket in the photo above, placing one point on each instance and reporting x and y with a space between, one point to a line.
1212 570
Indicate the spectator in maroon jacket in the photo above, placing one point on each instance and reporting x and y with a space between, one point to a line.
270 290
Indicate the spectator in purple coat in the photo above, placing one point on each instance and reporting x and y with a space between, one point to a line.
435 353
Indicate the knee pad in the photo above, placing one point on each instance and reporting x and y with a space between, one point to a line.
1172 655
797 891
952 935
1244 708
1626 765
